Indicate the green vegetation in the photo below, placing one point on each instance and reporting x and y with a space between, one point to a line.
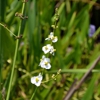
24 25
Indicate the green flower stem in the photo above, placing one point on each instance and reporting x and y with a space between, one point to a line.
15 55
75 71
7 29
62 71
0 65
28 75
33 94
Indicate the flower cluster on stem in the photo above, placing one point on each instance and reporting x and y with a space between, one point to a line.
45 61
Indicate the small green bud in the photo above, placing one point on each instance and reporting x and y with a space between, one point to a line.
53 76
53 26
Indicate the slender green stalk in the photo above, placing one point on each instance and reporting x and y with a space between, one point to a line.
0 57
76 71
7 29
0 64
15 55
62 71
33 94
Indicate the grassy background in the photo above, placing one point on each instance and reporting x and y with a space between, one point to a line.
76 51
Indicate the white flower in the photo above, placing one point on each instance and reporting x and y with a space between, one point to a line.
46 48
52 37
37 79
52 50
45 63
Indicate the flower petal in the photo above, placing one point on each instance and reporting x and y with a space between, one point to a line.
37 80
55 39
48 66
33 80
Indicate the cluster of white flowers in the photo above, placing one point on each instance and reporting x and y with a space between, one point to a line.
45 62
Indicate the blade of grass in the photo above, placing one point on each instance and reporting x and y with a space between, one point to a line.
89 92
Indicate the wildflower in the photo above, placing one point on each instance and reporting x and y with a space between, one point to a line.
52 50
45 63
46 48
52 37
91 30
37 80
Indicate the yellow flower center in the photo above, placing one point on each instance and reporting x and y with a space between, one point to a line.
46 48
37 79
53 38
46 63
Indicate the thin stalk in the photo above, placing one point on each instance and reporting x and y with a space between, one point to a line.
0 65
76 71
62 71
33 94
15 55
7 29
